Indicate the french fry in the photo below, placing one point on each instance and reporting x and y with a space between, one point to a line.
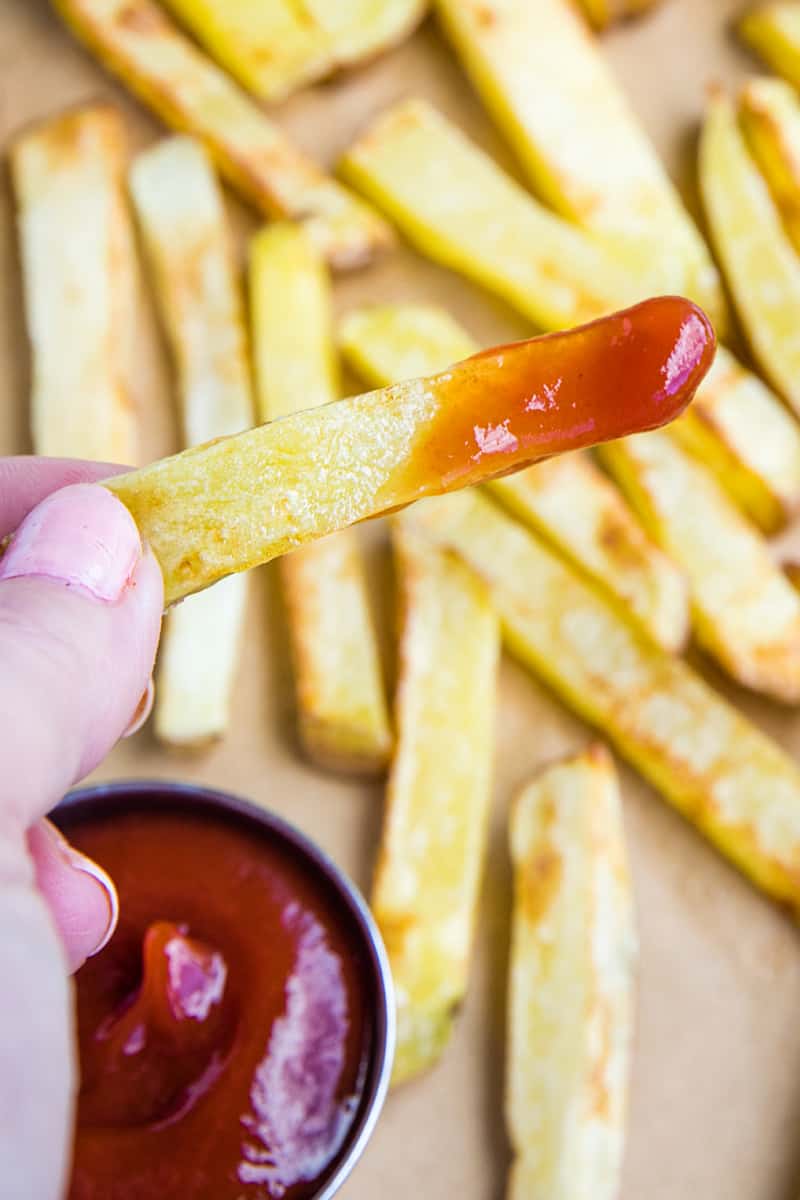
571 984
603 13
361 29
433 845
773 30
758 259
270 47
742 433
342 711
80 278
770 117
241 501
740 789
567 499
182 222
459 208
197 664
274 47
744 612
549 89
136 41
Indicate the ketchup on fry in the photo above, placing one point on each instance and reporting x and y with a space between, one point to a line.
226 1032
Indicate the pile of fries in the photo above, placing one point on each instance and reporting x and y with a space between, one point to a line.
594 569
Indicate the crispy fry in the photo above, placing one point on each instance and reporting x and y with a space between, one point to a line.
571 984
740 430
197 665
243 500
760 264
770 116
548 87
430 863
274 47
135 40
603 13
80 279
744 613
567 499
455 205
184 231
183 228
341 704
361 29
730 780
271 47
773 30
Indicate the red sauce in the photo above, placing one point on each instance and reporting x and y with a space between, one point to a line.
513 405
225 1032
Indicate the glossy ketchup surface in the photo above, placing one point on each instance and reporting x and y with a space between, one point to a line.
512 405
225 1032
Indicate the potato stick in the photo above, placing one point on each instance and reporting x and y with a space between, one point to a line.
740 430
243 500
182 222
135 40
744 612
459 208
758 259
341 704
433 845
571 984
361 29
197 663
739 788
770 117
773 30
603 13
269 46
185 235
79 272
567 499
547 85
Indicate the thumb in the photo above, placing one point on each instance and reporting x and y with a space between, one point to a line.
80 608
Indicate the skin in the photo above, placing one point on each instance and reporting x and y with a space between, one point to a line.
60 644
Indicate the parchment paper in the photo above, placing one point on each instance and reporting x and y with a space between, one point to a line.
715 1103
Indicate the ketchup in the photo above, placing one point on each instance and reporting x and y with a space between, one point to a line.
225 1032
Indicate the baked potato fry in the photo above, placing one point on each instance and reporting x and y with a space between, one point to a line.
547 85
361 29
80 282
759 262
243 500
740 789
430 862
185 236
769 113
744 613
271 47
567 500
571 984
742 433
603 13
459 208
341 704
197 664
773 31
137 42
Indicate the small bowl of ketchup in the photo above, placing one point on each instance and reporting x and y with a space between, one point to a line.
236 1035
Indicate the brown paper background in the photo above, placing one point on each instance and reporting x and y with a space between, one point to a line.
715 1102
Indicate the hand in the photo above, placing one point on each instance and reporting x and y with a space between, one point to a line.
80 612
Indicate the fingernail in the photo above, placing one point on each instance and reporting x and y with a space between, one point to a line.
143 710
79 862
81 536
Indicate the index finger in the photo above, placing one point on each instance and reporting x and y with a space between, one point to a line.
25 480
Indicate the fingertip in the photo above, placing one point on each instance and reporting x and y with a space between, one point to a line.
79 893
